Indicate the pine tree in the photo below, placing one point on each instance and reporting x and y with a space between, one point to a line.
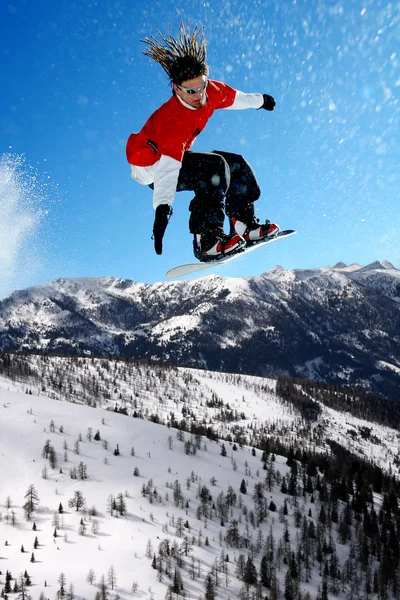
78 501
289 588
265 576
82 528
46 449
177 585
120 504
250 572
292 486
52 458
260 502
210 589
180 529
243 488
233 537
274 590
32 501
7 584
63 583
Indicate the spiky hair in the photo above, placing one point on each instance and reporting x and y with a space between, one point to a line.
182 58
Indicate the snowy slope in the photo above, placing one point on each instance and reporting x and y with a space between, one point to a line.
235 406
28 421
121 542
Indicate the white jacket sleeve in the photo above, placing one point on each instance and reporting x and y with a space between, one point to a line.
165 180
243 101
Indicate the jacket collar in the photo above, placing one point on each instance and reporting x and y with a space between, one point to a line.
185 104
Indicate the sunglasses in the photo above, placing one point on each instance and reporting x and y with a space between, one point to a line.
193 90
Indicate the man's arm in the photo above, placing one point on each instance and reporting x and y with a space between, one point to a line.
243 101
165 180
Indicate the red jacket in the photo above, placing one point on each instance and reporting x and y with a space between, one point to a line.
172 129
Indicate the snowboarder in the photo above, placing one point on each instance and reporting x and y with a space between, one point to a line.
160 155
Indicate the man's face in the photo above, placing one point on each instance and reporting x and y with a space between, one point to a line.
186 91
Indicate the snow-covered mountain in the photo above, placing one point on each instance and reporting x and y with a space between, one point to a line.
336 324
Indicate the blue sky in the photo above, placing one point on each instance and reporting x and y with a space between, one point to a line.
75 84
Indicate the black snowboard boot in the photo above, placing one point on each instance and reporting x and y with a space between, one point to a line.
214 244
252 230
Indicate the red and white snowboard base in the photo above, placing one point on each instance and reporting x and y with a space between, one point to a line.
200 266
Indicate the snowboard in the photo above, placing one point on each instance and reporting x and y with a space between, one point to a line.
200 266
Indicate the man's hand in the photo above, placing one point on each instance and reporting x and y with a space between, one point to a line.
269 102
163 214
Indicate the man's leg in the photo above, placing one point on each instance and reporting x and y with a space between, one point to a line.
239 203
243 188
208 175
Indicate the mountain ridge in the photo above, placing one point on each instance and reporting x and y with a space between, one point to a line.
336 324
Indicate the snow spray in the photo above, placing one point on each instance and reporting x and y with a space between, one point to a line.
24 194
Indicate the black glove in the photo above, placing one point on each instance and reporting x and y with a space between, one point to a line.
163 214
269 102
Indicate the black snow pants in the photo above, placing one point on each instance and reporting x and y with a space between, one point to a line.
223 183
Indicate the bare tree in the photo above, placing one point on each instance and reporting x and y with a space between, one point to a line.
103 589
91 577
112 577
22 588
62 580
149 549
71 592
95 527
78 501
135 587
82 471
